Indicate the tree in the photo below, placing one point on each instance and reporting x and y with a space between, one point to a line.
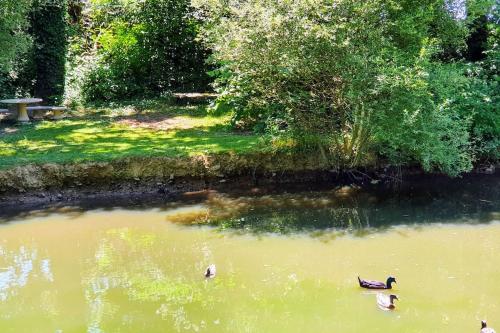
14 40
350 79
48 21
13 37
144 48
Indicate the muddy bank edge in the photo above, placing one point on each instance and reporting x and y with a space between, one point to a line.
141 175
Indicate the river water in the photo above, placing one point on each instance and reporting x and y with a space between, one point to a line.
287 261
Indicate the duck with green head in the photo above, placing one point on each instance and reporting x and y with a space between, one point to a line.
370 284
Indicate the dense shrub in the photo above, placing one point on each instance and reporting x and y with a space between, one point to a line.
144 48
484 92
13 25
354 78
34 49
48 27
14 40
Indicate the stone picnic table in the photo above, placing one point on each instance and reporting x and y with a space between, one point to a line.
21 103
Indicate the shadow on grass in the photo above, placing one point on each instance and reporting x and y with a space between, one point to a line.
147 113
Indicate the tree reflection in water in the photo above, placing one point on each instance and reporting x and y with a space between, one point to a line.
345 210
127 265
16 268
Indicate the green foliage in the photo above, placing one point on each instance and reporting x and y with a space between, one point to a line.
354 81
14 40
144 48
484 103
33 41
420 119
49 52
13 37
353 78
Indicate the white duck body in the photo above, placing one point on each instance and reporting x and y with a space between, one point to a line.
386 302
485 328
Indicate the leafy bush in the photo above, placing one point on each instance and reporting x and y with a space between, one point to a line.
14 40
48 27
484 103
13 37
144 48
421 119
356 76
33 40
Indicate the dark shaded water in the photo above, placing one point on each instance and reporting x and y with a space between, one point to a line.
316 207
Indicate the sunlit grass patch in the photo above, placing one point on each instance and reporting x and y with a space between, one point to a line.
100 137
7 149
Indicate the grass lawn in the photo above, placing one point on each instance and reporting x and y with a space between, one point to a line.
111 133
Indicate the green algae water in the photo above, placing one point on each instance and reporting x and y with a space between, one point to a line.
285 263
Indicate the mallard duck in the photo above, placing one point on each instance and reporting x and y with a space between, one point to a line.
485 328
369 284
210 272
386 302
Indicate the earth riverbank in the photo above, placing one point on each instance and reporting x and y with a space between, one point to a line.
161 179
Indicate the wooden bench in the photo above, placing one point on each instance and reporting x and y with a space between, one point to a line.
57 111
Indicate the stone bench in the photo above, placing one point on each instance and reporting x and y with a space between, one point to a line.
56 110
5 113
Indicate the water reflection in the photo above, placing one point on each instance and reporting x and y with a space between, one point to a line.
125 266
285 210
17 267
312 207
346 210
